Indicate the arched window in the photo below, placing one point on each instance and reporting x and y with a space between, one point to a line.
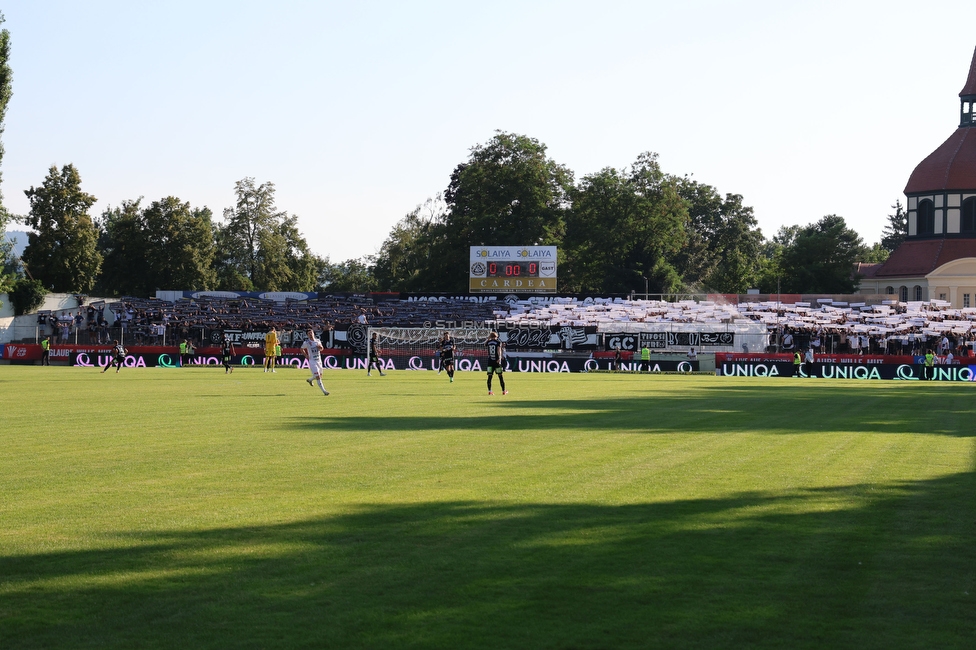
889 290
918 292
926 217
903 294
968 215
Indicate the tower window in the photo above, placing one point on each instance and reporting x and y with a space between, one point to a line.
926 217
968 215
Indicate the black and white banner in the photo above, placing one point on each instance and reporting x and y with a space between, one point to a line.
667 340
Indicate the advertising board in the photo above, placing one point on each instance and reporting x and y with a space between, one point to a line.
512 269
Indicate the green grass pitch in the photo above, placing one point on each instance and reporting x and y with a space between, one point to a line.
186 508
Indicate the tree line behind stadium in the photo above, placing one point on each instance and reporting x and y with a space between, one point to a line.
617 230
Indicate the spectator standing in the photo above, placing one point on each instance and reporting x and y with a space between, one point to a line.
645 359
788 340
808 362
928 372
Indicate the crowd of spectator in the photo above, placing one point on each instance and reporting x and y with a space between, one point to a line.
158 322
826 327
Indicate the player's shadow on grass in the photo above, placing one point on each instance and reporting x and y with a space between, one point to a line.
787 409
865 566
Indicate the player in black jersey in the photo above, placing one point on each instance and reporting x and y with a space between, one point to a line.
118 356
496 361
226 352
373 361
447 355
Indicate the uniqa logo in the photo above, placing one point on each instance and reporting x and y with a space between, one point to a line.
749 370
166 361
542 366
962 373
906 372
849 372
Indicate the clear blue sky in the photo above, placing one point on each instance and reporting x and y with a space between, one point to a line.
359 111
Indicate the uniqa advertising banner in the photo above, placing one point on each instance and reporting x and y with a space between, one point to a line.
903 371
393 362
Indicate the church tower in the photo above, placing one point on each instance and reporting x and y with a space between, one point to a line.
937 260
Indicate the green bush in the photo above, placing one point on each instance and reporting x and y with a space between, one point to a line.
27 295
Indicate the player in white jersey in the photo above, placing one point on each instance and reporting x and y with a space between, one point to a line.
312 348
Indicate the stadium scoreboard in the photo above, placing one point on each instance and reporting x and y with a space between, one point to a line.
512 269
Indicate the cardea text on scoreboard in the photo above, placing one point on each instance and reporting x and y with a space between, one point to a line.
512 269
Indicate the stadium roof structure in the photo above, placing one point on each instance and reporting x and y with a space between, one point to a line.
953 165
921 257
941 217
970 87
950 167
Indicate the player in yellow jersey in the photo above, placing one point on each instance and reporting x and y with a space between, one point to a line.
270 349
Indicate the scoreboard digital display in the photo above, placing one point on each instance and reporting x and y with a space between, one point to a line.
512 269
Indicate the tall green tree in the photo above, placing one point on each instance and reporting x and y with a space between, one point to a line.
508 193
260 247
7 276
820 258
123 244
896 230
625 227
246 227
876 253
298 268
6 92
180 244
62 252
724 242
167 245
353 275
406 253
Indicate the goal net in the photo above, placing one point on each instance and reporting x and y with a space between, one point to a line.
418 348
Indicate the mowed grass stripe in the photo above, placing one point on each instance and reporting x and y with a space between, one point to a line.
168 507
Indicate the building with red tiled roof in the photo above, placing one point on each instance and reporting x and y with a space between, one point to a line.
937 260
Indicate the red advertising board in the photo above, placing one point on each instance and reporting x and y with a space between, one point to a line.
21 352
